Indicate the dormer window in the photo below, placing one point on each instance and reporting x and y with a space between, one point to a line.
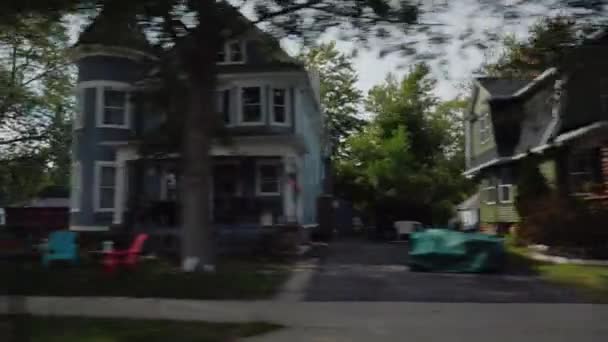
485 128
233 52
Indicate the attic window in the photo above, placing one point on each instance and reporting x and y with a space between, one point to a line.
485 128
233 52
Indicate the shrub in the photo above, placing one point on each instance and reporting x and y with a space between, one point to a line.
566 223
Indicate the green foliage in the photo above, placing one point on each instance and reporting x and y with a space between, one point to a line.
340 97
411 155
35 97
542 50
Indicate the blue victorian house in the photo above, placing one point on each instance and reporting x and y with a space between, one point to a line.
270 172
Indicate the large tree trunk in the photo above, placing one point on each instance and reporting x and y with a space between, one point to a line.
198 252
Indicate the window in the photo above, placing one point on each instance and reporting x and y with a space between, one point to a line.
115 108
485 128
280 114
490 195
233 52
79 111
251 105
223 105
226 180
505 193
105 186
269 178
584 171
76 187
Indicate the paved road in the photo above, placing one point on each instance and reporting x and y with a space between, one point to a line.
373 271
357 322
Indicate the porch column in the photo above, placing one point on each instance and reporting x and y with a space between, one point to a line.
289 205
120 191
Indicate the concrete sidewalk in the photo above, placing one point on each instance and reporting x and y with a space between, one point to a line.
357 321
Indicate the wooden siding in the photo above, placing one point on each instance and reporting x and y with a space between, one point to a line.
498 212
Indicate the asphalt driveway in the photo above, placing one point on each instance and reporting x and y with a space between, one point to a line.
359 270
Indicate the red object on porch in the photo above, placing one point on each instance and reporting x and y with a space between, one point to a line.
128 258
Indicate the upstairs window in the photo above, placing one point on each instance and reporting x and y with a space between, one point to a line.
251 105
223 105
505 193
584 171
485 128
115 108
233 52
490 194
279 99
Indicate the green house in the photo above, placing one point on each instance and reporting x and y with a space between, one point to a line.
560 118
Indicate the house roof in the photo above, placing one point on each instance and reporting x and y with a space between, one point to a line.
118 29
498 87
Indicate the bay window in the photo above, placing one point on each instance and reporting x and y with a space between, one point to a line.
114 111
105 186
251 106
279 107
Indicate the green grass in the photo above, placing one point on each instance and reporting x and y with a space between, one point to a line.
591 280
233 280
72 329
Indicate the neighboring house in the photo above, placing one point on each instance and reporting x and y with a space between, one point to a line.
560 117
271 171
468 213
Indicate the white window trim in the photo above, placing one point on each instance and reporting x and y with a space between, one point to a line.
258 178
287 107
239 184
240 104
486 128
510 186
76 194
101 104
97 184
490 188
227 51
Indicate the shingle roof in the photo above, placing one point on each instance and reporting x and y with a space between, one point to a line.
502 86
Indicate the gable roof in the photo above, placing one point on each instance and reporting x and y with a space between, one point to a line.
498 87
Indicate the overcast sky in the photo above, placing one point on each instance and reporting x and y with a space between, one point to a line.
471 31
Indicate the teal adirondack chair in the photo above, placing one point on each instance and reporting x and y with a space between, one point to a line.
62 245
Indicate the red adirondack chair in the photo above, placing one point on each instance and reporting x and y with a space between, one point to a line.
128 258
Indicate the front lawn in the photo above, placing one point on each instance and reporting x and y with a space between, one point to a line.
233 280
72 329
592 280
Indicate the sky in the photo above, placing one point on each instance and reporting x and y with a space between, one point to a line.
473 33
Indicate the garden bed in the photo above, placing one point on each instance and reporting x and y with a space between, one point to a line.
234 279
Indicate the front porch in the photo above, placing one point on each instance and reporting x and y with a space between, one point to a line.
253 183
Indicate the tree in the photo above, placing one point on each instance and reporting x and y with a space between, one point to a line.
195 46
340 97
361 19
35 95
408 160
542 50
